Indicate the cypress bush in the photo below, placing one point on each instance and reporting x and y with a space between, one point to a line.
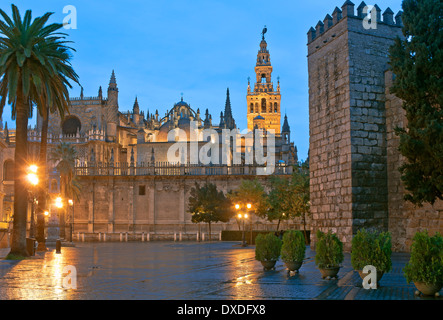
426 262
267 247
371 248
293 247
329 250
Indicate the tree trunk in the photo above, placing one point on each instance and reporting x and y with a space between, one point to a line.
18 241
278 224
304 228
42 194
209 230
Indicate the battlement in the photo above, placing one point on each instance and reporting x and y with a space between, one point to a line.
348 11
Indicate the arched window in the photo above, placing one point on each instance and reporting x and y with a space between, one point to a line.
275 107
270 107
263 105
71 125
251 108
263 78
256 107
8 170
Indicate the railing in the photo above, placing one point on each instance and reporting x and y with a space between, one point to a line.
173 169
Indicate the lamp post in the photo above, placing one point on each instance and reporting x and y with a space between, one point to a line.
59 206
33 182
243 216
71 220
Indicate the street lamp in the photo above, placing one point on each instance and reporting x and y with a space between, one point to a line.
33 182
243 216
58 202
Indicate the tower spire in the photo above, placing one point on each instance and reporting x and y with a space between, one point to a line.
285 128
228 118
112 82
136 108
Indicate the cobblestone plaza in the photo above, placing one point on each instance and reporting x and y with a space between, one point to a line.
186 271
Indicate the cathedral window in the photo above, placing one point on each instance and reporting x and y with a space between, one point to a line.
263 105
8 170
71 125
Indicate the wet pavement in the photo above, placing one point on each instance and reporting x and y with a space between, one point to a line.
185 270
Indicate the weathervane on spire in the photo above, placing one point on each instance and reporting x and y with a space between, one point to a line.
263 32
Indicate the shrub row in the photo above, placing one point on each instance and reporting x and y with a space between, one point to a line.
425 267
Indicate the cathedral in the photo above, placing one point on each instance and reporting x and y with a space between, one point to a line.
136 168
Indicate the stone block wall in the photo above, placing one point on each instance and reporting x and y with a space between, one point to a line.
405 219
155 204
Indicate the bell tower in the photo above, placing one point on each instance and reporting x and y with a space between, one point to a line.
263 100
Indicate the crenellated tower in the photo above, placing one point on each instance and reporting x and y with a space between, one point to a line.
263 100
347 59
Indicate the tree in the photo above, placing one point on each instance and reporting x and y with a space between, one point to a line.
276 199
417 62
34 70
298 202
64 156
289 198
56 107
207 204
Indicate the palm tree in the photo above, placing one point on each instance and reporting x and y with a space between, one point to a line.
64 156
34 70
42 192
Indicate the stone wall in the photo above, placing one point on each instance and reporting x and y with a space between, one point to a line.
154 204
405 219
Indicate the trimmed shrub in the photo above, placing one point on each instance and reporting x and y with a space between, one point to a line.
329 250
371 248
293 247
426 262
267 247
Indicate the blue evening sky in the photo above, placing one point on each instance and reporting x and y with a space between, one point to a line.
160 49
